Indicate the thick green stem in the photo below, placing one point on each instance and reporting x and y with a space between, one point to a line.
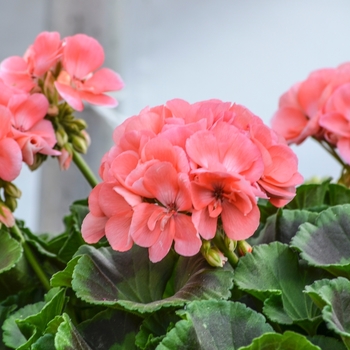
330 149
31 258
85 169
230 255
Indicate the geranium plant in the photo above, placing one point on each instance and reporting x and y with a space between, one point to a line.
198 234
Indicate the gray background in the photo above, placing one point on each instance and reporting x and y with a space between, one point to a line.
244 51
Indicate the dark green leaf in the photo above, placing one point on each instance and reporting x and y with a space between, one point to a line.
10 251
154 328
283 226
111 329
338 194
327 343
129 279
287 341
68 337
46 342
311 196
336 312
326 244
272 273
215 325
64 278
12 335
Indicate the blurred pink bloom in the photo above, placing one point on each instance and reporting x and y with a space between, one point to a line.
336 119
6 216
80 79
23 72
31 131
44 54
10 152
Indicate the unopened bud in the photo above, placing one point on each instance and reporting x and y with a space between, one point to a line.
52 111
230 243
214 257
66 156
244 248
11 203
61 136
79 144
12 190
86 136
80 123
38 160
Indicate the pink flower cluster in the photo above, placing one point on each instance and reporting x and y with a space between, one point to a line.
24 82
52 70
181 171
318 107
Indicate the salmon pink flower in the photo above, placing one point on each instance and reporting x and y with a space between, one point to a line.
31 131
6 216
157 226
232 197
80 79
186 171
10 152
43 55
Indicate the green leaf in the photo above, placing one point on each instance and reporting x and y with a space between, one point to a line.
27 325
111 329
64 278
326 343
326 244
336 312
46 342
68 337
12 335
155 327
283 226
10 251
273 274
338 194
215 325
130 280
311 196
286 341
53 307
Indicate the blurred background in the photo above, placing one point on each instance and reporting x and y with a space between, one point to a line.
244 51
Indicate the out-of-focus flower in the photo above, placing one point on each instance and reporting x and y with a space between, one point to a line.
80 80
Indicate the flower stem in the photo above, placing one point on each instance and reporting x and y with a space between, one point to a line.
230 255
85 169
31 258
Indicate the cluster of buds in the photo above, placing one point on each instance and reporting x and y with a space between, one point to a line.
8 201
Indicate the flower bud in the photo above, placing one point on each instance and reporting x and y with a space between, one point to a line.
11 190
11 203
61 136
80 123
79 144
66 156
53 111
213 256
230 243
244 248
38 160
